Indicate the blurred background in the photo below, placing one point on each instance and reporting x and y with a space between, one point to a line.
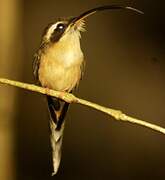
125 69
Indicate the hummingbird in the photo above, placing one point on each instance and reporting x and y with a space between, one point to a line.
58 65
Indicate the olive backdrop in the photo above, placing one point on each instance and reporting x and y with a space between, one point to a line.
125 69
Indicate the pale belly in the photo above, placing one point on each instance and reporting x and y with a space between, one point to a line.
59 77
60 65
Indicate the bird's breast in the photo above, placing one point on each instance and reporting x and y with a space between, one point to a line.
60 68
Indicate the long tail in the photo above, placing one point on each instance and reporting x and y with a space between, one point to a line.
57 110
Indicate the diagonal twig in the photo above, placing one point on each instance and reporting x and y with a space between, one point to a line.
70 98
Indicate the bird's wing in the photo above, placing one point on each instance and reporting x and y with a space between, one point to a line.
36 64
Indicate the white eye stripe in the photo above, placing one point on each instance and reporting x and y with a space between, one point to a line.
51 29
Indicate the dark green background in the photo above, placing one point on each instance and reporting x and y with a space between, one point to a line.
125 69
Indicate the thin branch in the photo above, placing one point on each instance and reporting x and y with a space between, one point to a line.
70 98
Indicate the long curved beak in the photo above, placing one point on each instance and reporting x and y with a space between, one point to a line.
75 21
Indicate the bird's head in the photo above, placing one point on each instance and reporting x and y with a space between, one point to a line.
62 29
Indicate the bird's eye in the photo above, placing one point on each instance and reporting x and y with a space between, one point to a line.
60 26
57 31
